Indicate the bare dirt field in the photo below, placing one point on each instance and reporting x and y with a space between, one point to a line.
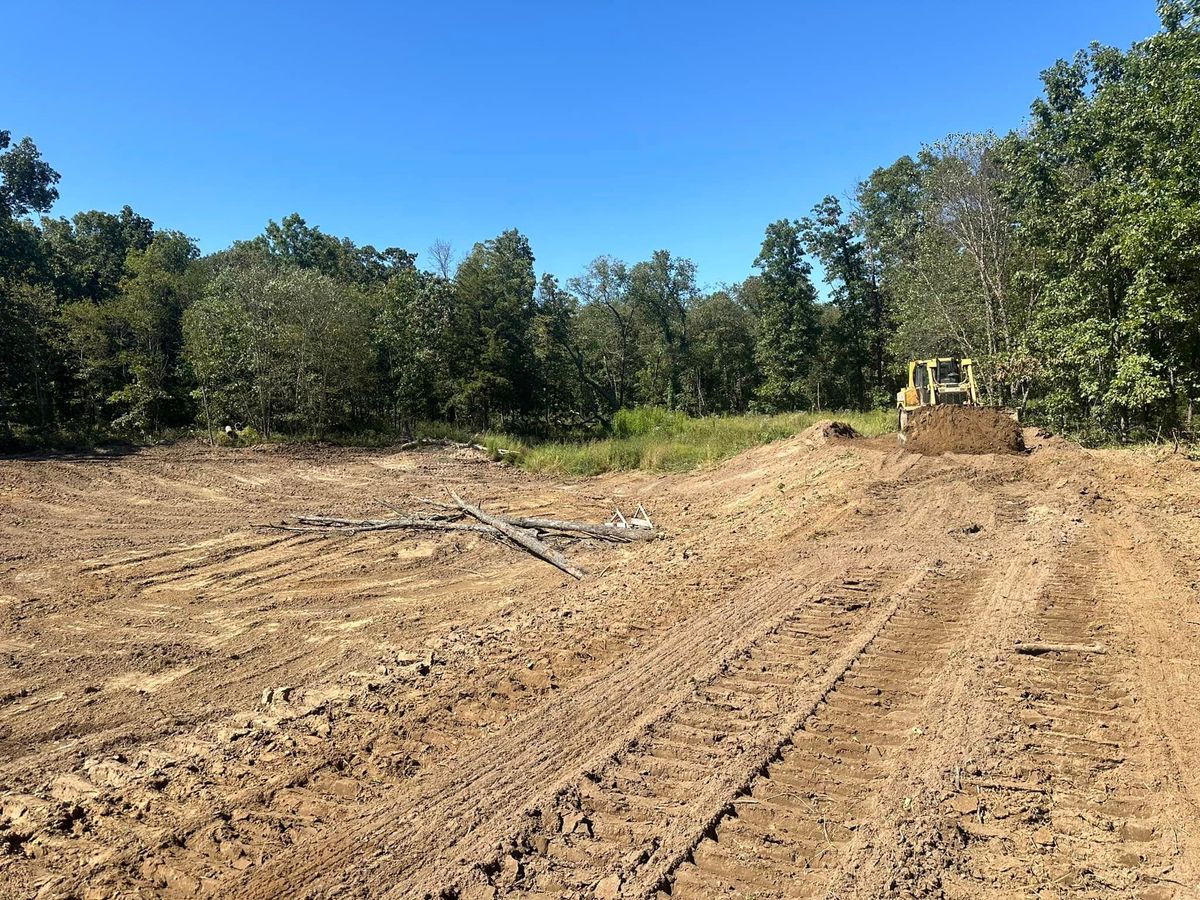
807 687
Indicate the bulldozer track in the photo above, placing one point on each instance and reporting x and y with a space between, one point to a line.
1086 811
787 836
785 614
731 757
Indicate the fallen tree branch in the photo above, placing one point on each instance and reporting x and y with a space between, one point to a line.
540 523
1003 784
522 531
443 523
606 532
327 522
1035 649
521 537
446 442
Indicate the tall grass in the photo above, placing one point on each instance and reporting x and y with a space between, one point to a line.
658 440
649 438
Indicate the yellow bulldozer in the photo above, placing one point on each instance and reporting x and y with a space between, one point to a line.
932 382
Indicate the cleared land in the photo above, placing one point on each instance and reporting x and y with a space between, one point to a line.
807 687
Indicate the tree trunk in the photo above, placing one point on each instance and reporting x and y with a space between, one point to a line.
522 538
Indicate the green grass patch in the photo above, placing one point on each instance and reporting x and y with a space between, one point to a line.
657 440
647 438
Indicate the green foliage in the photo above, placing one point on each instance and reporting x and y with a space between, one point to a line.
949 261
853 361
493 376
286 350
1104 186
722 356
248 437
607 332
26 180
661 292
505 448
789 321
294 243
86 254
643 420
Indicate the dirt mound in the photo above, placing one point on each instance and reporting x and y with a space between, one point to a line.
826 430
963 429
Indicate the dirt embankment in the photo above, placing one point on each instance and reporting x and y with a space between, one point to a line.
807 687
962 429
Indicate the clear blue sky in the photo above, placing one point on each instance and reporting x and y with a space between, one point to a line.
617 127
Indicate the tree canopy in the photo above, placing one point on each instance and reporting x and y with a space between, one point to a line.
1063 256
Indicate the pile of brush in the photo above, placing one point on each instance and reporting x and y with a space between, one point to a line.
525 532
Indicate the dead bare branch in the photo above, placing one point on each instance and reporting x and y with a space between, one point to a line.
1033 649
522 537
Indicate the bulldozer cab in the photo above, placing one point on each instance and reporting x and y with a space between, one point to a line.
943 379
949 372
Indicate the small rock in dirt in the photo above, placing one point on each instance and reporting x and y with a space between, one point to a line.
608 888
72 788
576 821
511 869
422 662
276 695
964 803
26 810
633 859
1044 837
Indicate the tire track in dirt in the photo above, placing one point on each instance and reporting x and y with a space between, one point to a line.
456 817
688 719
447 834
287 801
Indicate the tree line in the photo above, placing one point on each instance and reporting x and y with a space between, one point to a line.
1064 257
